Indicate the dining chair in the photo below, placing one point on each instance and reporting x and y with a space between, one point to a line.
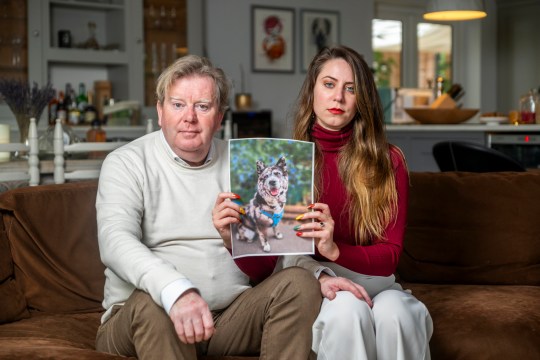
86 168
471 157
27 167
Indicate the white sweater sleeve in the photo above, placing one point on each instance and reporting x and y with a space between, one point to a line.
120 210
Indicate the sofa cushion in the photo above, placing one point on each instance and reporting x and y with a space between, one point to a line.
482 322
59 336
13 304
473 228
59 270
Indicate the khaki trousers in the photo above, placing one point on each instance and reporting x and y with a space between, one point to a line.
273 319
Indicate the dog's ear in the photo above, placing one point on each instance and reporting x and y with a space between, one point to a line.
260 167
281 163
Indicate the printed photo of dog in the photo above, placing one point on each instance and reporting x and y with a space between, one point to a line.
265 210
274 179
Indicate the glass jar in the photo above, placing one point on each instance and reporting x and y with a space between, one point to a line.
527 107
46 140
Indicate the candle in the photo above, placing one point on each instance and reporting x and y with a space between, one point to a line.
4 139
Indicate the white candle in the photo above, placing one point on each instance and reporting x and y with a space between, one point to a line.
4 139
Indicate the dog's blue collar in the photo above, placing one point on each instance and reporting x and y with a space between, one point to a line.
276 217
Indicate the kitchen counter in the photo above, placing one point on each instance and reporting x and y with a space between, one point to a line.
466 127
417 140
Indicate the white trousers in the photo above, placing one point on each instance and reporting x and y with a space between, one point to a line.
398 327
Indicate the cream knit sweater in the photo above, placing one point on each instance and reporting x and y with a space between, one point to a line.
154 218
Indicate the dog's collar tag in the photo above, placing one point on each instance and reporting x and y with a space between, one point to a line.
276 217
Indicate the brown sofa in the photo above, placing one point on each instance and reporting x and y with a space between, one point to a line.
472 255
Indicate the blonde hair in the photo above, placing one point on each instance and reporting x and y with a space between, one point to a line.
364 164
199 66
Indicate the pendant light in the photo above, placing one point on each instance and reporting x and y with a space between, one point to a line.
457 10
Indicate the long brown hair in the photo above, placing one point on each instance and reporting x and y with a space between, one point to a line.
364 164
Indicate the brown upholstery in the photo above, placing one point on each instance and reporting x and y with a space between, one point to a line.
471 254
467 228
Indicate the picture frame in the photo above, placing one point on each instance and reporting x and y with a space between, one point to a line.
272 39
319 28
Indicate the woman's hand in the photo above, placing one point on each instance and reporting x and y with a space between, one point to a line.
225 213
322 230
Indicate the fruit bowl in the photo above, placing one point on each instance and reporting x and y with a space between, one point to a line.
441 116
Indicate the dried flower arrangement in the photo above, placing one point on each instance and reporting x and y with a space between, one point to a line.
25 102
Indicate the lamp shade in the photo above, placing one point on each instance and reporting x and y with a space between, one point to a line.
457 10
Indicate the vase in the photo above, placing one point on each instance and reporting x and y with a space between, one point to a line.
23 122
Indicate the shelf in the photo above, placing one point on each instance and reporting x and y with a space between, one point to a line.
89 5
86 56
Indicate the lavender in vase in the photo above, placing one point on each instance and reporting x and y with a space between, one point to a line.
25 102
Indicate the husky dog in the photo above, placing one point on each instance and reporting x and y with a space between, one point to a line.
265 210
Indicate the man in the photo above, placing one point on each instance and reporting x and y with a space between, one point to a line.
172 290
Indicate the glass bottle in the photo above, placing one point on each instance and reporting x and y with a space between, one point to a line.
527 107
82 100
61 108
74 115
90 111
92 42
46 140
52 108
96 132
537 106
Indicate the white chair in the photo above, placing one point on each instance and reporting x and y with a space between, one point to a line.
29 171
87 169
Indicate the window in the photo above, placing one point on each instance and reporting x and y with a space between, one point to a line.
394 69
386 43
434 54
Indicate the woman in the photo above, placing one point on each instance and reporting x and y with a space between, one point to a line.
358 222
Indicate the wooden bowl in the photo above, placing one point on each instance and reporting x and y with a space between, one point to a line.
441 116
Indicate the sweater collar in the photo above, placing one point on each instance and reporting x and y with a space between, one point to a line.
331 141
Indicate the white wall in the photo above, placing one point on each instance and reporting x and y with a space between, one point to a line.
228 39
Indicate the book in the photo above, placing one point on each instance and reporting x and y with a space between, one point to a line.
274 178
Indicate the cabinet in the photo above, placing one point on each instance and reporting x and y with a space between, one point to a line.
13 43
417 145
165 39
117 28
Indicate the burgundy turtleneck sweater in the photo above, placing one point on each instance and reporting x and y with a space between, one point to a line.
378 259
382 256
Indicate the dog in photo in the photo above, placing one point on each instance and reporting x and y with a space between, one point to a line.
265 210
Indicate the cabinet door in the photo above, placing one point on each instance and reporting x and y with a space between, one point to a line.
417 145
13 40
165 39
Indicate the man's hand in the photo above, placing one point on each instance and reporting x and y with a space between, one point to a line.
331 285
192 318
225 213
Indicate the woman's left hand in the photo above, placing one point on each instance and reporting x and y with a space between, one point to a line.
322 230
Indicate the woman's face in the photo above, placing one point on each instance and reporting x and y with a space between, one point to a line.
334 98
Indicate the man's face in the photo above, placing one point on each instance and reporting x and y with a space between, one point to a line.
189 117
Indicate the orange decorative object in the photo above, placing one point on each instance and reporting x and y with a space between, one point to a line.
273 44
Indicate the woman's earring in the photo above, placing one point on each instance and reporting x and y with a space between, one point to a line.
312 116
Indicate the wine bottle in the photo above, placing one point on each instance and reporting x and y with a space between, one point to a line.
52 108
61 109
90 111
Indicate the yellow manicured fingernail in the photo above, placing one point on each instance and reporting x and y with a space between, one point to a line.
300 217
242 211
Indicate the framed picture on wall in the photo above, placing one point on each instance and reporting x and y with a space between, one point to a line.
272 33
319 28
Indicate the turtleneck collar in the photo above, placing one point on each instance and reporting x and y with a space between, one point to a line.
331 141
